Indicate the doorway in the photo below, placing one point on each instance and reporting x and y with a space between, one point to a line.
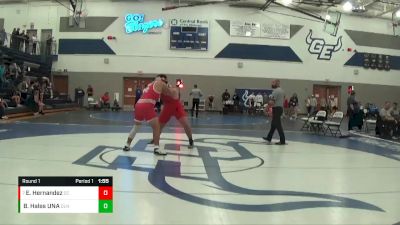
32 44
44 36
60 85
324 93
131 85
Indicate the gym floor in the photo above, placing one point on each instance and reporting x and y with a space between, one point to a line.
230 177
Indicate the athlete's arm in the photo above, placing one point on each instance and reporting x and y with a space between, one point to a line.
174 91
162 88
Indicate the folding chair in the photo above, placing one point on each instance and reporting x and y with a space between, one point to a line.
368 120
306 120
318 121
334 123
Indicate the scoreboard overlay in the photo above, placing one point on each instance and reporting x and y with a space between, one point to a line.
65 194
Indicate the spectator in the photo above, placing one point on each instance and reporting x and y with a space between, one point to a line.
26 40
259 100
49 43
15 71
21 42
323 104
386 112
308 105
34 100
12 39
313 104
116 106
3 106
138 93
211 102
3 37
395 110
396 116
225 96
252 103
89 91
2 71
15 99
353 109
79 95
332 103
30 44
293 103
105 100
388 123
236 102
334 109
285 107
196 95
34 44
39 101
236 99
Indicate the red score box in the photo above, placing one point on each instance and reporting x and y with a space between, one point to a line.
105 193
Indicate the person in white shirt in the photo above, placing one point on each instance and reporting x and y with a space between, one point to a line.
259 100
34 44
313 104
251 101
196 94
308 105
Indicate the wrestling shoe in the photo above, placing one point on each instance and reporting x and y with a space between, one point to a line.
159 151
191 144
126 148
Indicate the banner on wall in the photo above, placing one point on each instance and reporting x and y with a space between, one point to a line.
189 34
255 29
244 94
275 31
245 29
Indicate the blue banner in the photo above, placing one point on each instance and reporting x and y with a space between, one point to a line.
244 94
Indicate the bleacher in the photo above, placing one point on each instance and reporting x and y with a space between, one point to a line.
33 67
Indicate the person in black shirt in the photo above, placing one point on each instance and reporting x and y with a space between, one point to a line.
225 96
293 103
79 94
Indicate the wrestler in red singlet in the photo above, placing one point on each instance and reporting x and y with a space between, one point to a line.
144 111
172 107
144 108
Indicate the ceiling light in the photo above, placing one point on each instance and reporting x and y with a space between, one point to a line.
347 6
327 17
287 2
398 13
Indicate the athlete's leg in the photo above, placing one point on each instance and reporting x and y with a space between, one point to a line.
155 125
188 130
132 135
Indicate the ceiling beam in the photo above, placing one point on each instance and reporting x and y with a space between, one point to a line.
391 9
370 3
266 4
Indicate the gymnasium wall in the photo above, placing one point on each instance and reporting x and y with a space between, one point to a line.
138 53
215 85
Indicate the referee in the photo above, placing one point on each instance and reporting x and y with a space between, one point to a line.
196 95
276 102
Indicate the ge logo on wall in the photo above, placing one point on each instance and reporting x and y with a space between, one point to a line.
319 47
